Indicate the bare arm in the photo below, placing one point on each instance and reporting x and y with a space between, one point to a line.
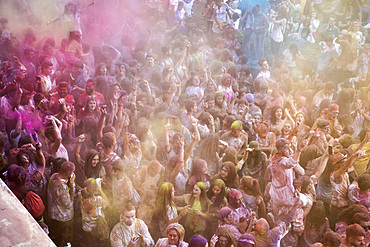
81 139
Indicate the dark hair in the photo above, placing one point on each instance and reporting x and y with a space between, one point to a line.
90 171
66 167
364 182
316 217
16 175
273 110
354 231
331 239
346 215
189 104
108 139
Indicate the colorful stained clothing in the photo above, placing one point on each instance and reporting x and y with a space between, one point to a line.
121 234
60 203
91 208
340 190
236 143
122 191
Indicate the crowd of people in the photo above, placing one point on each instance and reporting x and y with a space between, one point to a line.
207 123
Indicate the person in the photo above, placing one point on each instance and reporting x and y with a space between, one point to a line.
199 203
92 202
198 174
90 91
175 236
222 238
254 162
71 17
221 16
282 191
236 138
355 236
328 29
60 197
260 27
217 195
278 30
61 98
228 174
165 212
266 237
252 196
316 225
130 231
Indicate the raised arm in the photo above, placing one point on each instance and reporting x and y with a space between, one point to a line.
81 139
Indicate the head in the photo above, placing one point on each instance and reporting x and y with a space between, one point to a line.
277 114
218 188
329 88
225 237
250 186
225 215
70 8
47 68
331 22
150 60
262 130
283 147
175 233
219 98
236 129
331 239
226 80
198 240
90 187
128 214
154 168
199 167
90 86
63 89
235 198
199 190
263 64
299 117
287 128
66 170
262 227
246 240
92 164
109 140
91 104
355 235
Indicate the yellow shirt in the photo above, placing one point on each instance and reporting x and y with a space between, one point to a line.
360 164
